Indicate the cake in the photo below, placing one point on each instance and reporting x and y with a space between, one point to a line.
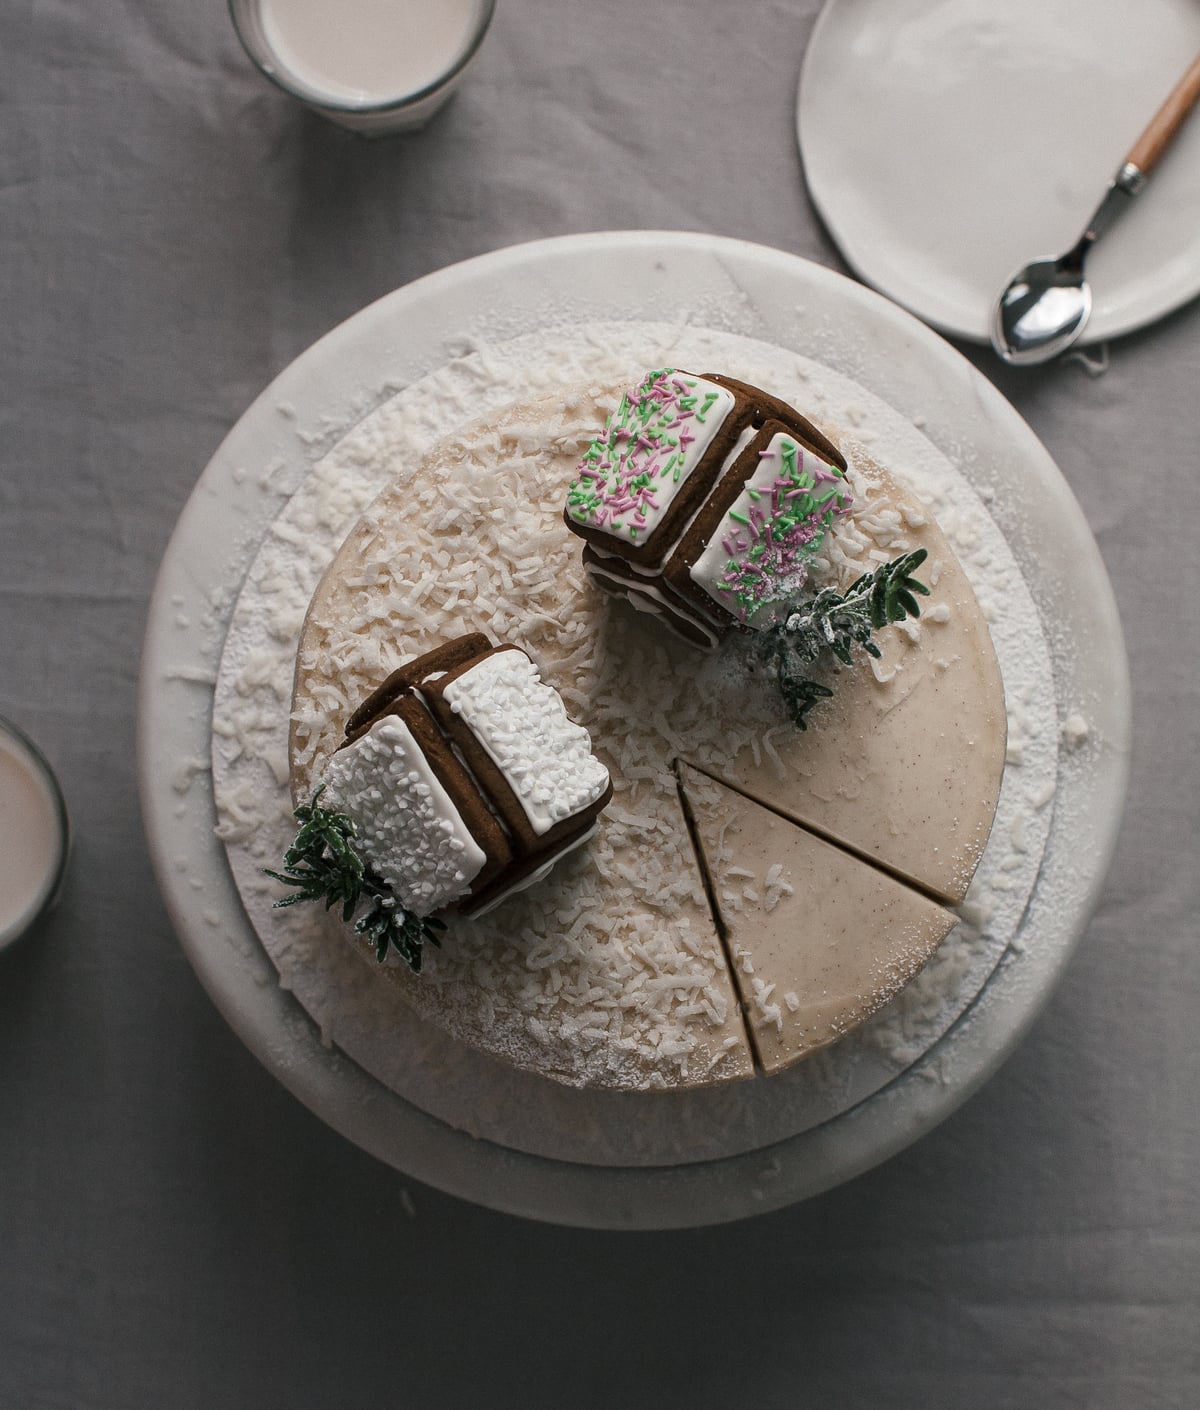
657 953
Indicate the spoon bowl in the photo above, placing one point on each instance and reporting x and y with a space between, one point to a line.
1042 311
1045 306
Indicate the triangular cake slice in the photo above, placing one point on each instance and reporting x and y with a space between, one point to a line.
903 764
817 940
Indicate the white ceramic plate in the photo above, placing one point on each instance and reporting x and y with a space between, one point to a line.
721 284
948 142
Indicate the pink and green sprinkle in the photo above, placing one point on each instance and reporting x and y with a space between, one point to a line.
770 546
644 445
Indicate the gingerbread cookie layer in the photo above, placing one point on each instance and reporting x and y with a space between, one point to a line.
611 971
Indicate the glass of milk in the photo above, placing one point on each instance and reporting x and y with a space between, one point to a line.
33 834
376 66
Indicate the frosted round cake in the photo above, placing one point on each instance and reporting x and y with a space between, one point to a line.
754 891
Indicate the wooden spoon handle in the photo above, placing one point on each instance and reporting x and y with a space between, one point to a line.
1146 151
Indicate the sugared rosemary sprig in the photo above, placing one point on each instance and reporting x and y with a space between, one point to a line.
837 622
324 865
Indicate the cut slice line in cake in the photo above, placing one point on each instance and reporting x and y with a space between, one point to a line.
817 940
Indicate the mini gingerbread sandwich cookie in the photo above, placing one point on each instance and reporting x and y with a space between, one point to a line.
704 500
534 763
461 780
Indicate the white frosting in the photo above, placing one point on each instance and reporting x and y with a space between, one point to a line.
410 832
647 597
545 757
683 439
711 566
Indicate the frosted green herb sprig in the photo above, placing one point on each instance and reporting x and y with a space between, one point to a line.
324 865
838 622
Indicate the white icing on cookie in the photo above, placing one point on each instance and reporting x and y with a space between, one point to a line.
410 832
651 444
545 757
760 551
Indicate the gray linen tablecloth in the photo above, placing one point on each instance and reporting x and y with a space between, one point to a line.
175 1228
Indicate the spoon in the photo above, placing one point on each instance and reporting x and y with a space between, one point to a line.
1045 305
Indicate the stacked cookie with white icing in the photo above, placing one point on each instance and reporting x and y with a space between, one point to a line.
465 778
704 500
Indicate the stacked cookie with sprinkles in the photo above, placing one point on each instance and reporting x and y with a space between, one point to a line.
704 500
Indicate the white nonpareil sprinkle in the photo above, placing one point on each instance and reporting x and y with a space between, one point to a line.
409 829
